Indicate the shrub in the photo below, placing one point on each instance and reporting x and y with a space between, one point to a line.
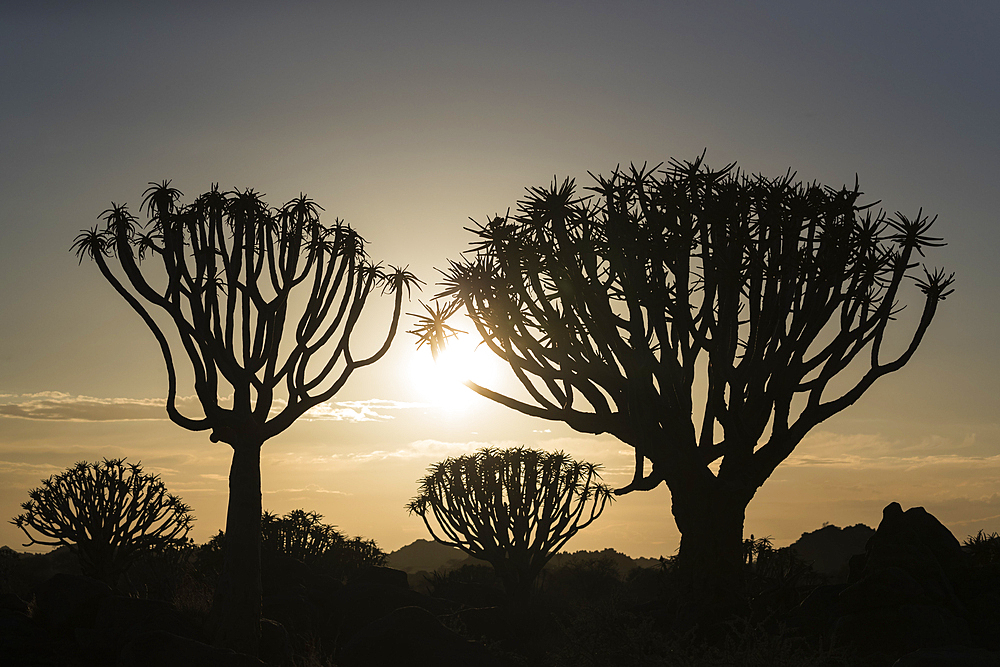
109 514
303 536
983 547
514 508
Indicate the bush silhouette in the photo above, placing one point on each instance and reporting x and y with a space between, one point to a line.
983 547
700 316
514 508
219 275
108 513
303 536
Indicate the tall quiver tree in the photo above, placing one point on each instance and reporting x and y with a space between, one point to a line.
696 315
223 270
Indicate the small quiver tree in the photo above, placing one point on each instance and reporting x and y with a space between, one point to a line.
219 273
109 514
304 536
514 508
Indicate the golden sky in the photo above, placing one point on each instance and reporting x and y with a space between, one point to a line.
406 119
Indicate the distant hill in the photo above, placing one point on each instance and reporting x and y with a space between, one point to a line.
830 548
427 556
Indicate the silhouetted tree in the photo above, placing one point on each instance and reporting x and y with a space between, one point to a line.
514 508
299 534
699 316
983 547
108 513
223 269
304 536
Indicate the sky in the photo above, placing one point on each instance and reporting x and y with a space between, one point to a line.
406 119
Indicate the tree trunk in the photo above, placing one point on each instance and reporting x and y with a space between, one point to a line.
236 607
517 579
711 560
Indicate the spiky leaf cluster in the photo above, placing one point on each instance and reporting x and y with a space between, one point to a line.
108 513
223 269
512 507
607 307
304 536
299 534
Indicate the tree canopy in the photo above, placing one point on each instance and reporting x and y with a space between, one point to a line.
514 508
607 307
223 270
109 513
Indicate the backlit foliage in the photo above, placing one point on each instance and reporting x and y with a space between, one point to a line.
514 508
109 514
607 307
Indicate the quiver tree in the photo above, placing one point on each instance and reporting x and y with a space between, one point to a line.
220 272
700 316
299 534
108 513
514 508
304 536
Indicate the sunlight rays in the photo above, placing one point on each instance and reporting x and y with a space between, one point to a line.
441 382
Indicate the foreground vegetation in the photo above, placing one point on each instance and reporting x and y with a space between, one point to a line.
590 609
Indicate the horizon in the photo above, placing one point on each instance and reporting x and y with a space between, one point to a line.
408 121
564 551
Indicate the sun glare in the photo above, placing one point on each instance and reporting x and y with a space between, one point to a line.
441 382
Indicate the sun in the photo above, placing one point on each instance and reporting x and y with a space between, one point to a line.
440 382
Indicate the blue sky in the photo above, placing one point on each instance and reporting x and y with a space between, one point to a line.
406 119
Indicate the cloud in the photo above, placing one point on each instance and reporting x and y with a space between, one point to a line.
311 488
34 469
383 403
358 411
427 450
59 406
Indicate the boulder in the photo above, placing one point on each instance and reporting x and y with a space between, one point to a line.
885 587
917 534
25 642
162 649
298 612
900 596
118 619
898 630
119 616
950 656
281 573
363 603
412 636
382 576
816 614
68 601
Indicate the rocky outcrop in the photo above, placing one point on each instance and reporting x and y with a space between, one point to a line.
900 596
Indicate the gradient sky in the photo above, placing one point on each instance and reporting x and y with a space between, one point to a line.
406 119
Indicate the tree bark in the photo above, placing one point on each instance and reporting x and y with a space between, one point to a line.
236 606
711 560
